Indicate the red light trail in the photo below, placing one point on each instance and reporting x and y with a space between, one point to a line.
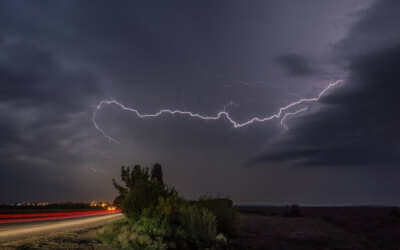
25 217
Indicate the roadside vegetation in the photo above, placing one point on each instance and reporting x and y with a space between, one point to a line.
157 217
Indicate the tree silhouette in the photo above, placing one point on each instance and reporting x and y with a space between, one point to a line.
140 189
129 177
156 173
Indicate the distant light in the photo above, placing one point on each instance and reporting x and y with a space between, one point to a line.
111 208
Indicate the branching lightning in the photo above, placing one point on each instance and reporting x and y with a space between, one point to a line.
282 112
98 127
287 114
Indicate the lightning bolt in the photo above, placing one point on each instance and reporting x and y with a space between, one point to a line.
287 114
98 127
222 114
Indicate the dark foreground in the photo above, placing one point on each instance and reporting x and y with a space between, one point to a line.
84 239
70 233
309 228
276 228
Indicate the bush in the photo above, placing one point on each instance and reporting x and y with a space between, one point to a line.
224 211
158 218
146 234
141 190
197 227
110 232
183 227
144 195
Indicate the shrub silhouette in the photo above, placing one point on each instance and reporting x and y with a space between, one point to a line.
224 211
156 173
158 218
141 190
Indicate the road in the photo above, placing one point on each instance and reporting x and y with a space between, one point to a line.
20 230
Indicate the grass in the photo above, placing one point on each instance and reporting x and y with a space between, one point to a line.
82 239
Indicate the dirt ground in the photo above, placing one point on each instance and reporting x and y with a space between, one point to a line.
280 233
256 232
315 229
82 239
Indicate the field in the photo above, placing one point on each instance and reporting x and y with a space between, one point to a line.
361 228
84 239
277 228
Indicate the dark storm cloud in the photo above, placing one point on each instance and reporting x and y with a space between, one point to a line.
357 125
59 59
37 91
296 65
38 99
33 75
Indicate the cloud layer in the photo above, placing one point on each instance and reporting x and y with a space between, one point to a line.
58 60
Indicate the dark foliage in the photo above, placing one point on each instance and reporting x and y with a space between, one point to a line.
158 218
224 211
141 190
156 173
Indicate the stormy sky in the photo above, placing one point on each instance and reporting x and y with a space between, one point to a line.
58 60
